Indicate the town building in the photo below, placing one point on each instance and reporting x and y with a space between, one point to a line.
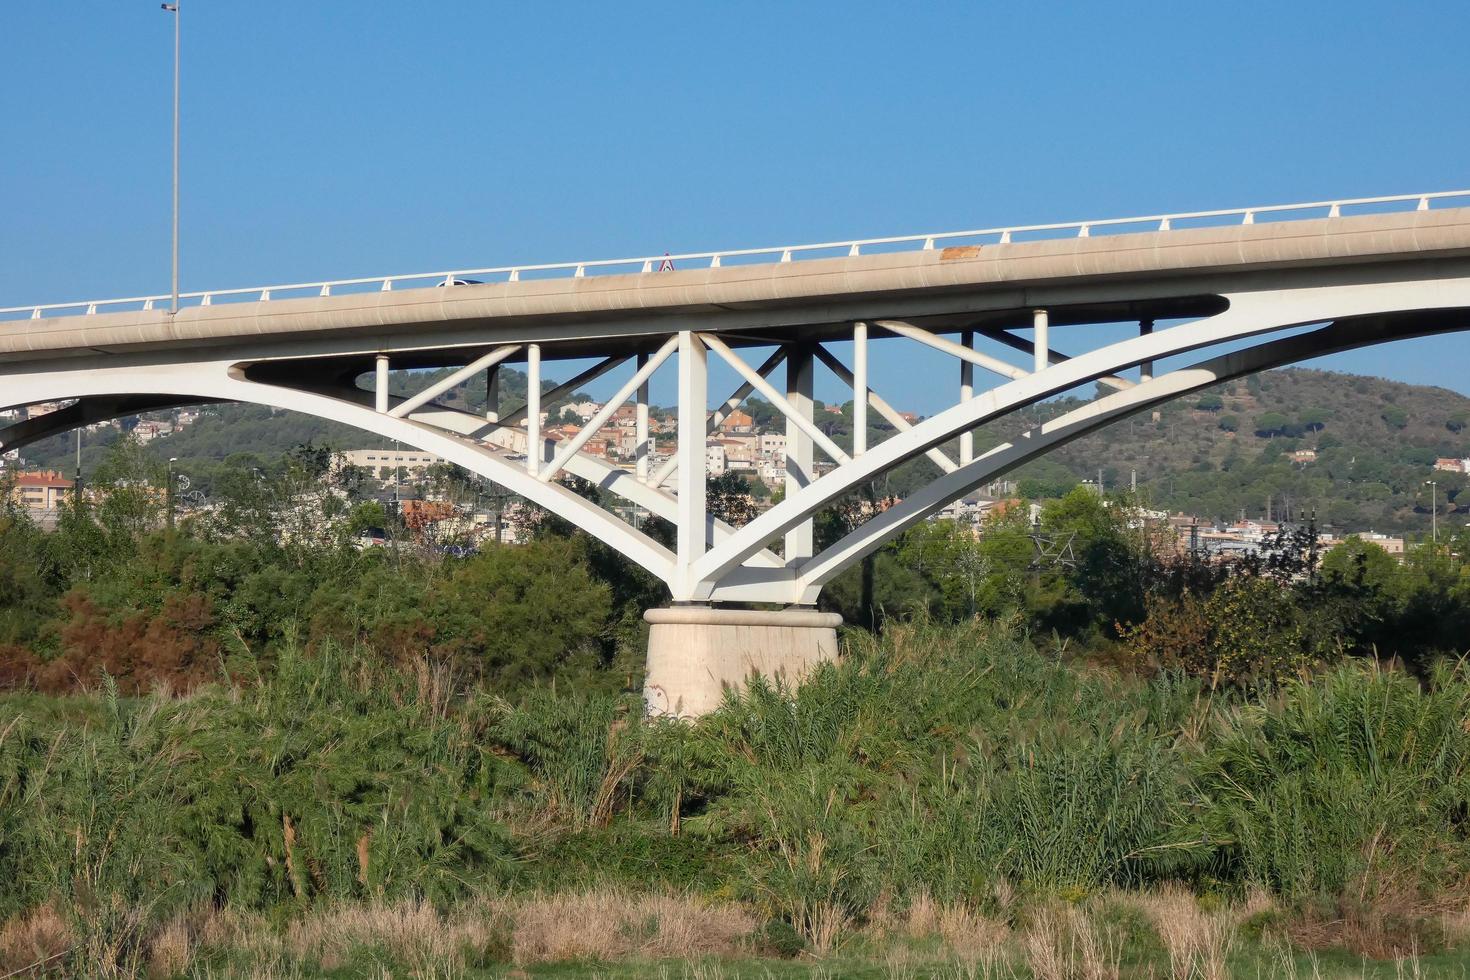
41 492
385 461
738 423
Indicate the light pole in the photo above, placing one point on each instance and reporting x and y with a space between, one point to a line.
168 490
173 306
1433 510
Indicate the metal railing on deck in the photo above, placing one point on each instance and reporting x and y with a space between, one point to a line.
780 253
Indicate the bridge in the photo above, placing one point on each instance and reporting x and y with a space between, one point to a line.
1245 290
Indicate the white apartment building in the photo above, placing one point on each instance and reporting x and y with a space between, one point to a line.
714 459
375 460
771 445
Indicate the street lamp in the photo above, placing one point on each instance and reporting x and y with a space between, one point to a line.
168 490
173 307
1433 510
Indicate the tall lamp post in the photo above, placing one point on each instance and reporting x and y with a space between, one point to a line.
173 306
1433 510
168 491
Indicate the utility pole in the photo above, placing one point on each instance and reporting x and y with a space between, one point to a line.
168 490
173 306
1433 511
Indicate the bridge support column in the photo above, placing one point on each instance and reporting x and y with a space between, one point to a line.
380 384
695 652
800 452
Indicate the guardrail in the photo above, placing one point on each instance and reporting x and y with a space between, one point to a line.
781 253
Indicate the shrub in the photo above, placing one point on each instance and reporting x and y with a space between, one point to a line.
1356 781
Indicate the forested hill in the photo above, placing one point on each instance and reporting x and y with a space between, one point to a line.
1230 450
1213 455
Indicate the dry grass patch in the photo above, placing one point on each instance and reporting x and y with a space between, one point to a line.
1198 944
1065 944
972 938
967 935
38 936
608 924
413 933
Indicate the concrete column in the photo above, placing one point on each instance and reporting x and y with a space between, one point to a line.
800 453
967 391
533 408
1040 341
695 652
492 393
859 388
380 383
692 537
641 447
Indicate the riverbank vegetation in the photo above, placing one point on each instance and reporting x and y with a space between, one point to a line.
951 797
245 746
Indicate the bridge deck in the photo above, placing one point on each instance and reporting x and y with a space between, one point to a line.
1158 267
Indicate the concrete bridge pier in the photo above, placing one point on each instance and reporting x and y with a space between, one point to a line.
696 651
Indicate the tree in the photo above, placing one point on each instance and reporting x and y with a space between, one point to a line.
1395 417
1313 419
1228 423
1271 424
728 498
1210 403
515 613
1457 421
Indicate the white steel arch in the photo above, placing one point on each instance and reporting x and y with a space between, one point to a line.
1249 314
1337 336
223 381
715 562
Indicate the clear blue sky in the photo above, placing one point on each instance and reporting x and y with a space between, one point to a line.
333 139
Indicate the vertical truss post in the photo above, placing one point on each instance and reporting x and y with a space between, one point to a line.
859 388
641 447
967 391
800 452
1040 342
380 383
1146 368
492 393
693 402
533 408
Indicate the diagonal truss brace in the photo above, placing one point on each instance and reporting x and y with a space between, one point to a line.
993 364
566 387
777 399
727 407
585 434
1053 357
438 388
882 407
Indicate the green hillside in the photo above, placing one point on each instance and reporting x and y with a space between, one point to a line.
1229 450
1213 455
